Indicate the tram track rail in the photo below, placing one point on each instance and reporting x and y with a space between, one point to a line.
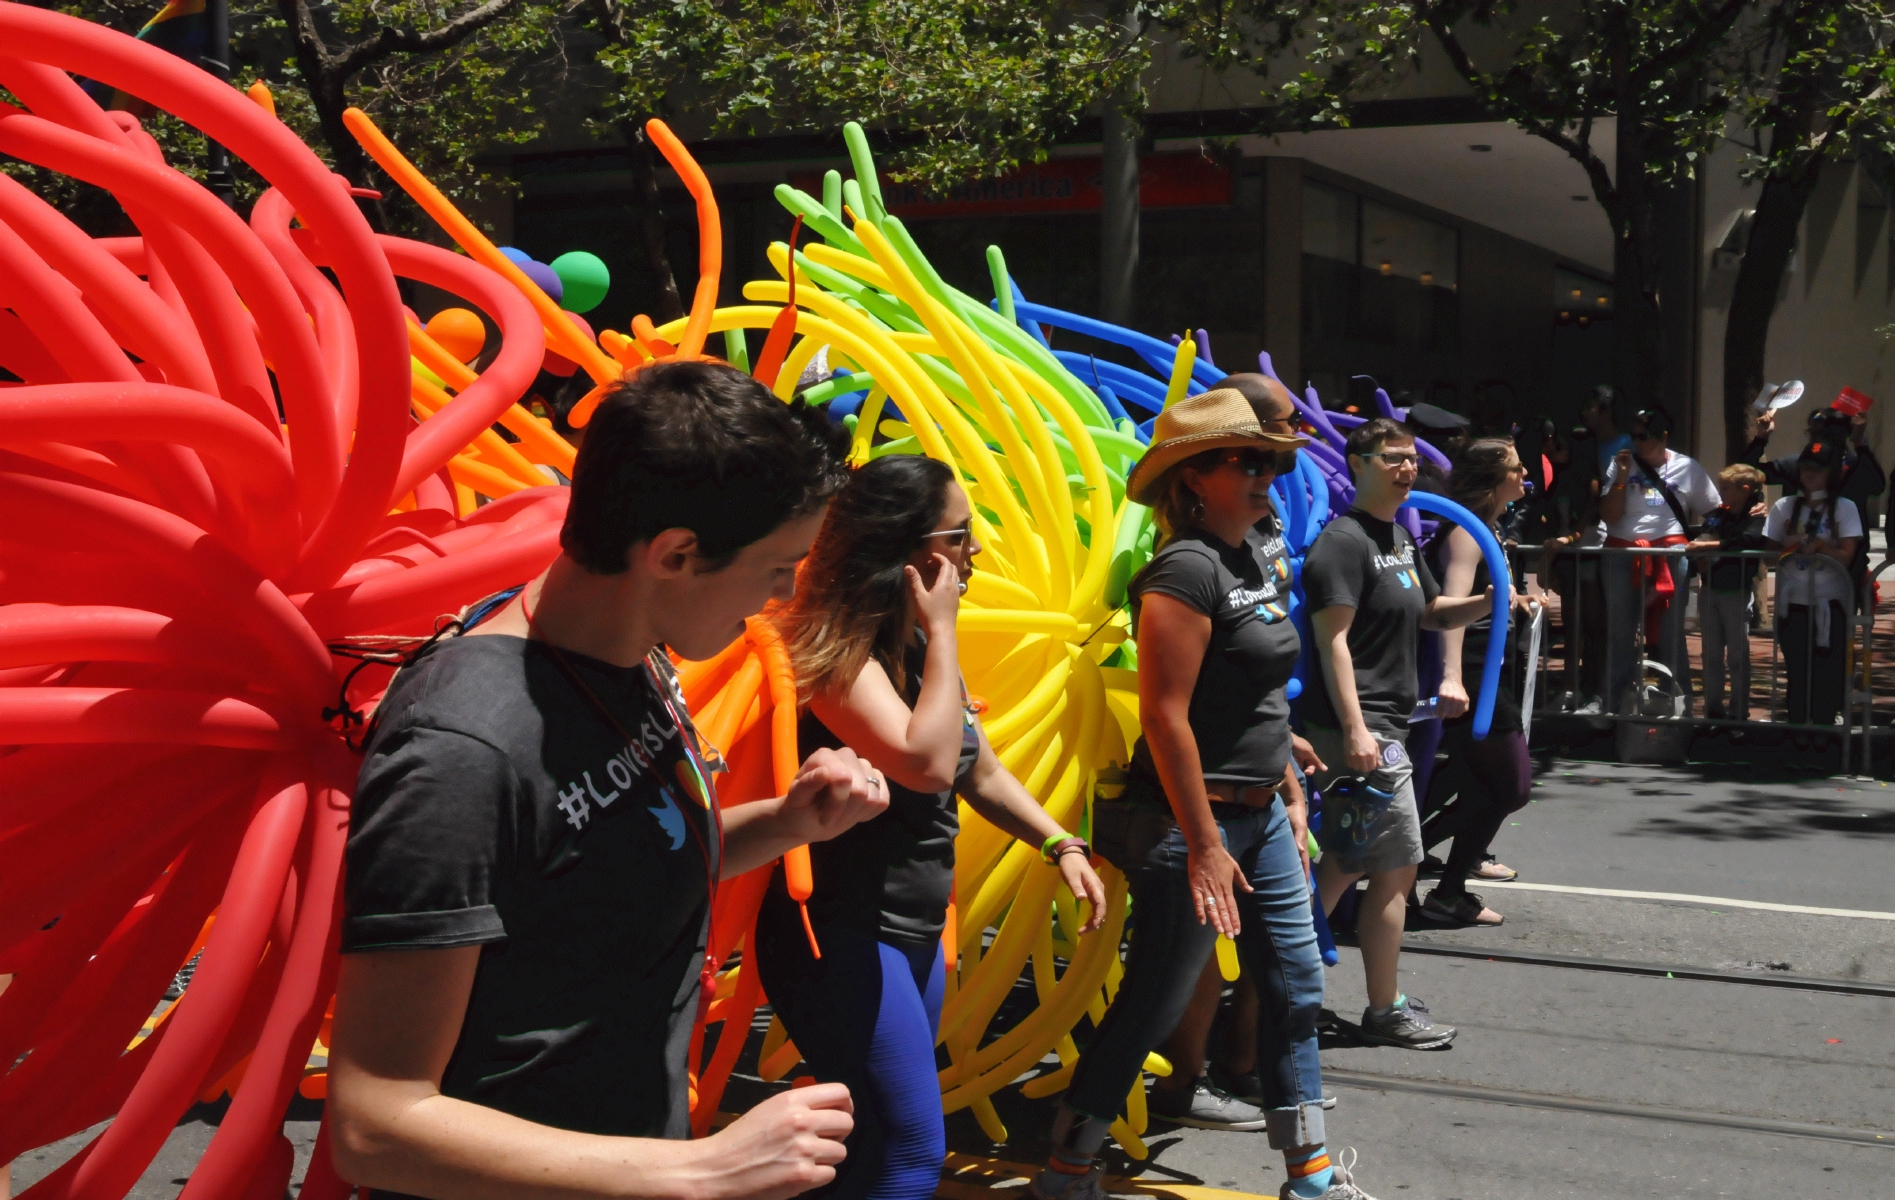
1369 1081
1618 966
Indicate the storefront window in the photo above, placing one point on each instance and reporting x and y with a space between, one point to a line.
1380 294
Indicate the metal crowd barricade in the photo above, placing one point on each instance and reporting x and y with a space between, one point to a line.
1580 669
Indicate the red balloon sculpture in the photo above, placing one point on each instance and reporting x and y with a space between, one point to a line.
198 471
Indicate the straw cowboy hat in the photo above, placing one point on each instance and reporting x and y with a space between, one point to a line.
1209 421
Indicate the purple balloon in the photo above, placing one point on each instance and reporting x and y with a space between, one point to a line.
547 279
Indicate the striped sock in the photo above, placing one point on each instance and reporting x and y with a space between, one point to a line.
1310 1171
1076 1142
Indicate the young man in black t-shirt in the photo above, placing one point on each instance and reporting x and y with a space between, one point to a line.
535 842
1369 595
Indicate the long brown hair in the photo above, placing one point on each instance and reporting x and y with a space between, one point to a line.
852 593
1479 472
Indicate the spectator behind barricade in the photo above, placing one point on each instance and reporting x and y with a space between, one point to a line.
1574 520
1814 599
1600 417
1654 496
1724 598
1492 777
1862 478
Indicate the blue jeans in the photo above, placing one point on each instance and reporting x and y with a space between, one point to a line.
1169 948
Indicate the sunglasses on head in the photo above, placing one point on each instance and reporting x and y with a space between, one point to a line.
1257 463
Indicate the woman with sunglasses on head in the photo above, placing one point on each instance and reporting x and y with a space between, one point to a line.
1209 830
1653 497
1369 596
871 636
1490 777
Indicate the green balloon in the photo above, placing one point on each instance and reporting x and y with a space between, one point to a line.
585 278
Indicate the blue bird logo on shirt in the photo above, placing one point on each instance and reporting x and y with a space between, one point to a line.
670 817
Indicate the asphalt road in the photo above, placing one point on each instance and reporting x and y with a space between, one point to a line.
1563 1082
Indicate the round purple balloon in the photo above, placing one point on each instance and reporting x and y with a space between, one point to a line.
546 277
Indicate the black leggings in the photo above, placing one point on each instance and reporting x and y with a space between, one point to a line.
1493 777
1817 686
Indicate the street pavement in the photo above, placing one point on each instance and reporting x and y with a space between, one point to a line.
1564 1082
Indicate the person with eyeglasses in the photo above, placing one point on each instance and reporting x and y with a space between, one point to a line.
1654 497
1369 595
1209 828
871 635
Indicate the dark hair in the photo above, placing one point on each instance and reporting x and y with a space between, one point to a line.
1479 472
1256 389
1173 511
852 595
1376 432
698 446
1655 420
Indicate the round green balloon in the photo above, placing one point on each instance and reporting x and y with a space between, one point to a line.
586 280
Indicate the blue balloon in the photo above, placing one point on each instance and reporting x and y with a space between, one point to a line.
1502 577
515 254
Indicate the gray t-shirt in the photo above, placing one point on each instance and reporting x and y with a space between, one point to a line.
498 808
1239 714
1371 566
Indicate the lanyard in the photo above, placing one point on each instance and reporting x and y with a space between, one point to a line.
707 976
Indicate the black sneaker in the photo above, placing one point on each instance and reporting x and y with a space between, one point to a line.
1204 1106
1407 1026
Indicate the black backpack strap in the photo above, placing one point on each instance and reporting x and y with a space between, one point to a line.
1664 489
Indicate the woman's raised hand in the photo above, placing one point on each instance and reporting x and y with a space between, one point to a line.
936 606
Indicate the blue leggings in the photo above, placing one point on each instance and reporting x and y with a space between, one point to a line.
864 1015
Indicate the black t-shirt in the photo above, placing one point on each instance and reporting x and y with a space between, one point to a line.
1371 566
497 807
889 878
1239 715
1734 531
1506 717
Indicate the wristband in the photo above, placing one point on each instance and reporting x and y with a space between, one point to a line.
1051 844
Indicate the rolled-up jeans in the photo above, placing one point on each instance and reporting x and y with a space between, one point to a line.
1277 945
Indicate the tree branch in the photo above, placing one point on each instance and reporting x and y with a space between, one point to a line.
1664 63
407 41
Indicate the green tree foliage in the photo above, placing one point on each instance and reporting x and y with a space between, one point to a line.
1824 74
962 89
447 81
1804 80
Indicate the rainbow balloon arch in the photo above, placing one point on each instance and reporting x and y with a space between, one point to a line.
241 479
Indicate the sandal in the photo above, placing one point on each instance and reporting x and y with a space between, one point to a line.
1464 909
1495 872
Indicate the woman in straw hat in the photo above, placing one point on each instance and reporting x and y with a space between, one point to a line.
1210 828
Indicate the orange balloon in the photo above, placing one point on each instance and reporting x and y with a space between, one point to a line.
459 331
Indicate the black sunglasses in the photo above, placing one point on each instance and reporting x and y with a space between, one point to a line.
1256 463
